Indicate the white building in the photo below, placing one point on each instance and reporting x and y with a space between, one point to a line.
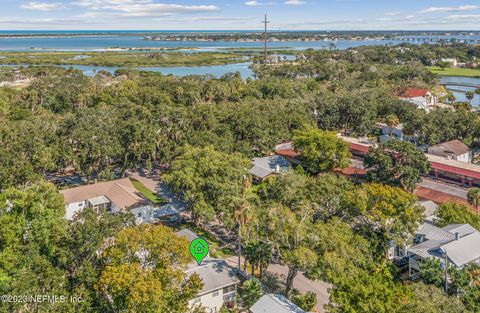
422 98
271 303
269 166
452 150
219 285
114 196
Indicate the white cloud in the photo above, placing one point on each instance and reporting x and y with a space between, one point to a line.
463 17
42 6
295 2
451 9
255 3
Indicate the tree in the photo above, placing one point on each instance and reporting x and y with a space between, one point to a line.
383 213
392 122
443 64
306 301
431 272
473 197
456 213
145 271
209 181
250 292
321 151
470 95
396 163
431 299
477 92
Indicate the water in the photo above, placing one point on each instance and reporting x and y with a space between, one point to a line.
215 70
95 42
459 91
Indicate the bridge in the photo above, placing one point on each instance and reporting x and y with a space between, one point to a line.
474 86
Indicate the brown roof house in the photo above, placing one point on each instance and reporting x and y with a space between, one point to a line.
114 196
454 149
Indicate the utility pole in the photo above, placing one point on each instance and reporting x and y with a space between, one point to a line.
266 37
446 272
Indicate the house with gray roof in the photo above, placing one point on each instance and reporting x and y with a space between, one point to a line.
271 303
457 243
219 284
269 166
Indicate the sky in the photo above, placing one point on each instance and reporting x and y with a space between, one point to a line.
239 15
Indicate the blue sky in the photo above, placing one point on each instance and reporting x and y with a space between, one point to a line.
236 14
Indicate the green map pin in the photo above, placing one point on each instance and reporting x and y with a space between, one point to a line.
199 249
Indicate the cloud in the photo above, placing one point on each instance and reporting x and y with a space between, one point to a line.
255 3
294 2
463 17
42 6
451 9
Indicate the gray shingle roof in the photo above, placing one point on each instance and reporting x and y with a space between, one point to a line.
432 232
262 167
270 303
214 273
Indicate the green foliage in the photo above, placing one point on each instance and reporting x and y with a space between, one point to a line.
209 180
456 213
321 151
431 272
396 163
144 271
306 301
431 299
250 292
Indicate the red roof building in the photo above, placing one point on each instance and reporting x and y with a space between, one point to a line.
413 93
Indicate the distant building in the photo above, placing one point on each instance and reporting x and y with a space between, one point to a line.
459 243
114 196
269 166
422 98
271 303
454 150
287 150
219 285
389 133
452 61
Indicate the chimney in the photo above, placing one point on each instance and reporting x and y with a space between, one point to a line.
457 236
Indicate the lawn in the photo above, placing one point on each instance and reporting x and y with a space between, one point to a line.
464 72
147 193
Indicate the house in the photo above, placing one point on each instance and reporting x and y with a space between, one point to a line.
452 61
287 151
219 285
271 303
395 132
269 166
453 150
189 235
457 243
114 196
422 98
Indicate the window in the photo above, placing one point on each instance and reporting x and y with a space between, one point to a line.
139 214
229 289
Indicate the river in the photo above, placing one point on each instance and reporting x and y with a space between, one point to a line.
459 91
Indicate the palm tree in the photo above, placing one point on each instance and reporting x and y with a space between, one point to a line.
392 122
251 292
252 255
477 92
469 95
473 197
264 256
452 98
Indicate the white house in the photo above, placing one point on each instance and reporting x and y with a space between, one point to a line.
219 285
271 303
114 196
452 61
452 150
457 243
422 98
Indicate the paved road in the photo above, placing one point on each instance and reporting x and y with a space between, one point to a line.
444 187
302 283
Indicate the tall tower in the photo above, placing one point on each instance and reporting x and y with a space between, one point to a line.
266 37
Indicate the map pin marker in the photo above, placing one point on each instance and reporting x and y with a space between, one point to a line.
199 249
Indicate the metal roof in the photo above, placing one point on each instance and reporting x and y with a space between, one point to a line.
262 167
461 229
464 250
432 232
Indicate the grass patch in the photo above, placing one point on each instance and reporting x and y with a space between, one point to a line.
147 193
463 72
